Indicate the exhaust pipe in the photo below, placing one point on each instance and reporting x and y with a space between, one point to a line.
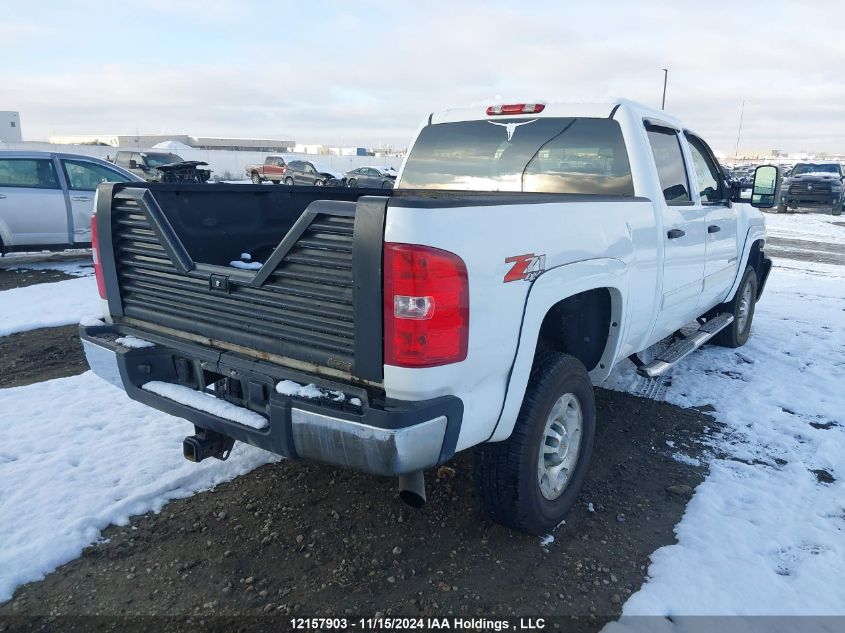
205 444
412 489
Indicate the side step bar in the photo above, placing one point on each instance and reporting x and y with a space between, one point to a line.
665 361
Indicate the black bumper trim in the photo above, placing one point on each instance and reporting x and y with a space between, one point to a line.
184 363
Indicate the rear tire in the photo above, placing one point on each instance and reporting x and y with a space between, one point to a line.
837 210
275 182
781 208
518 487
256 179
742 309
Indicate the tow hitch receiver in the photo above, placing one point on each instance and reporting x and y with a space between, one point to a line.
206 444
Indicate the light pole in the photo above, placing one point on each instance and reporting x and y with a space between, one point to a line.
739 131
665 80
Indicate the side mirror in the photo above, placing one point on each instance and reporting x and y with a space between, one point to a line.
133 164
765 192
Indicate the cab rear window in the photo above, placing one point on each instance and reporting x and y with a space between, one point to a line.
552 155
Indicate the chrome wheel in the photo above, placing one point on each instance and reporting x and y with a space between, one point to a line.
744 308
560 446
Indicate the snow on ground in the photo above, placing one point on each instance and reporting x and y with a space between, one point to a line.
817 227
47 305
765 532
77 455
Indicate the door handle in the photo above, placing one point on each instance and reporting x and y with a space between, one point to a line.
674 234
81 198
714 228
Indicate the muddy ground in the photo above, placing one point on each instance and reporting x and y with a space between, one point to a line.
294 538
43 354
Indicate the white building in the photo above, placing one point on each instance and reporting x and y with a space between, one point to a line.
10 127
144 141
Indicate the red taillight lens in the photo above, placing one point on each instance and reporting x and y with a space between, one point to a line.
426 306
515 108
95 251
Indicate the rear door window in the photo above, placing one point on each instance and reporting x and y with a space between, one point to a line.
555 155
669 161
28 172
85 176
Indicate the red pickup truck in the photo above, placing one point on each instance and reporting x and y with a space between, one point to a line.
273 169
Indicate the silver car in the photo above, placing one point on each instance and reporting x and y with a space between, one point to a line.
371 177
47 198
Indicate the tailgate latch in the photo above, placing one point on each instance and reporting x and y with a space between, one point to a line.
219 283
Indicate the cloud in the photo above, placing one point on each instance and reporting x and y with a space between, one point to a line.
371 72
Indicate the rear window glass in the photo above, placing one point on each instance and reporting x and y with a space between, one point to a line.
554 155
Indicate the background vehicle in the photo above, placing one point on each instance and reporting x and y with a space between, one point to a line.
273 169
302 172
526 249
162 167
816 185
370 177
46 199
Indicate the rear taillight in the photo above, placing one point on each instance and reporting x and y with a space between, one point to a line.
515 108
95 251
426 306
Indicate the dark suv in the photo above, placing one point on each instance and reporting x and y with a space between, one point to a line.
814 185
301 172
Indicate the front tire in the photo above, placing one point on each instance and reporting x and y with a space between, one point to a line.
531 480
781 208
256 179
837 210
289 181
318 183
742 308
275 182
352 183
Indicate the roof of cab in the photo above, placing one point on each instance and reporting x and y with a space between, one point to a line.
559 109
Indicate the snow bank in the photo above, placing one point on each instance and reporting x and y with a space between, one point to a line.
48 305
206 402
763 533
77 455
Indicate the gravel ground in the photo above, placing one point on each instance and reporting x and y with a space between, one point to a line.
294 538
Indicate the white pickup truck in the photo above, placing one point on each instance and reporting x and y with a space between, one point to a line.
526 249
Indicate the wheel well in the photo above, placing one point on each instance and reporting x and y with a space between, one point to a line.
755 260
579 326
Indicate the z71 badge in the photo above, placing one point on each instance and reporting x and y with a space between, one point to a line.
525 267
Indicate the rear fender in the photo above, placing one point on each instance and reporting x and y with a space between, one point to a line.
550 288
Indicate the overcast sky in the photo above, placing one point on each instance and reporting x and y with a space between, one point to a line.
366 72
